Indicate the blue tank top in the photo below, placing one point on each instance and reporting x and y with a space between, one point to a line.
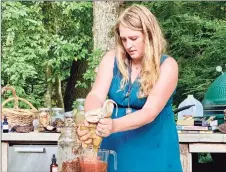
151 148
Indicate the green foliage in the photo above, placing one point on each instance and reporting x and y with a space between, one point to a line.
175 114
38 33
198 52
35 34
196 33
90 74
204 158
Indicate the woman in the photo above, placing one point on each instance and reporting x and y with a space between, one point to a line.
142 81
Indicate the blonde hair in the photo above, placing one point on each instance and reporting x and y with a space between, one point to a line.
139 18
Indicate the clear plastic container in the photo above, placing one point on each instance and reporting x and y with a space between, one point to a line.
195 111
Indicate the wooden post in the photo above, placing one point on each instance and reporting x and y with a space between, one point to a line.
186 158
4 156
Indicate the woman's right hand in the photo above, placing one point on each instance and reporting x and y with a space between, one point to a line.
84 135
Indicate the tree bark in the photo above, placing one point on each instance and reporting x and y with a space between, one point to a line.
105 14
69 91
59 97
48 94
72 92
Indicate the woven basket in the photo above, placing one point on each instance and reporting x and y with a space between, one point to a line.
15 115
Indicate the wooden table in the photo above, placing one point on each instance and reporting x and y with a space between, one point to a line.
189 143
197 143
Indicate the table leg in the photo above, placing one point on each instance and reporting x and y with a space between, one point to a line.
186 158
4 156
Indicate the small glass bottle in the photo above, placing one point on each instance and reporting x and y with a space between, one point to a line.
54 165
68 151
5 125
79 111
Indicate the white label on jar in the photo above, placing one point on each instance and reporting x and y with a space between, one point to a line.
54 169
5 127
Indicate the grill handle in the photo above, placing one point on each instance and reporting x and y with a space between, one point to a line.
29 150
183 108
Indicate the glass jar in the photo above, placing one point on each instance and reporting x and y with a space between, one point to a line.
35 122
44 118
68 151
79 111
57 118
69 119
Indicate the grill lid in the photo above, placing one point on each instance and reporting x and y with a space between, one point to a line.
216 93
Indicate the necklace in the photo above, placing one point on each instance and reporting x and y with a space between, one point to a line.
128 109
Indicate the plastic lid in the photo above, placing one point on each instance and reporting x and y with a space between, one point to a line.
190 96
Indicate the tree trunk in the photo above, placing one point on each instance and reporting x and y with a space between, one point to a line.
59 97
72 92
105 14
69 91
48 94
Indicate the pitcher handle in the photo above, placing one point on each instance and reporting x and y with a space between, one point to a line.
115 158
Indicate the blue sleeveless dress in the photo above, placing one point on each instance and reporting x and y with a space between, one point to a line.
150 148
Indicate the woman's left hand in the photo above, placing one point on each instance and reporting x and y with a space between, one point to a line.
104 127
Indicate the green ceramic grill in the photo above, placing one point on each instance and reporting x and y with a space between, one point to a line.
214 101
216 94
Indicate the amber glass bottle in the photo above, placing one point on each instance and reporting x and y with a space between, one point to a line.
54 165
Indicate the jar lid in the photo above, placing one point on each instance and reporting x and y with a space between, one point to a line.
57 109
44 109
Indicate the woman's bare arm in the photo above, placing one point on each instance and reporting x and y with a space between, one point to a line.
98 94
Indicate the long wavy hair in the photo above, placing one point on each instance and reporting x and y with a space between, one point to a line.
139 18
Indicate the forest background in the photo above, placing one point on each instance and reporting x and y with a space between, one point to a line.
50 49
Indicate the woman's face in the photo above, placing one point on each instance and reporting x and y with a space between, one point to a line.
133 42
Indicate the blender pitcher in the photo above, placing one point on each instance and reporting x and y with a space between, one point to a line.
92 161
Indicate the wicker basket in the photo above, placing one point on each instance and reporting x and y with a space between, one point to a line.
17 116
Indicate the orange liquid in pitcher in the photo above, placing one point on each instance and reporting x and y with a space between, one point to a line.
94 166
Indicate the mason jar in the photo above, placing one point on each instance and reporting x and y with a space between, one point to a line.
68 151
57 118
44 118
69 119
